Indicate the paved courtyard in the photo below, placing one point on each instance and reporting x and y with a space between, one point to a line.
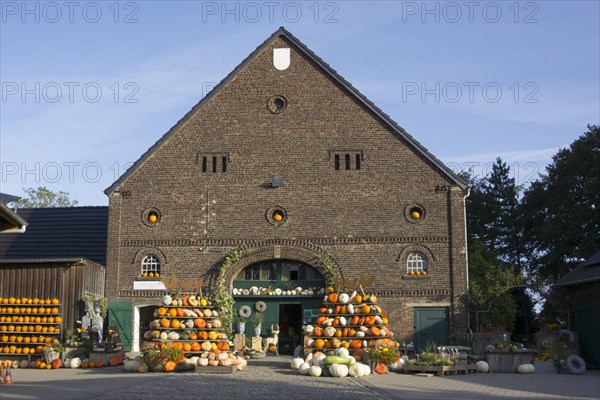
272 378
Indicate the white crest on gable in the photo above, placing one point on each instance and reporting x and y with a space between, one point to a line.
281 58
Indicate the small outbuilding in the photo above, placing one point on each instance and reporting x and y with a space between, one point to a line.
583 288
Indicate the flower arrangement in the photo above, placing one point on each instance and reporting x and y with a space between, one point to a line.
156 355
384 351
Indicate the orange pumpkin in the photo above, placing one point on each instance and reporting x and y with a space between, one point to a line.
180 312
169 366
172 312
337 309
356 344
319 343
165 323
178 345
318 331
193 336
203 335
375 331
320 320
175 324
355 320
351 332
338 333
370 320
223 346
187 347
322 310
200 323
162 312
333 298
358 299
366 309
381 369
195 346
345 332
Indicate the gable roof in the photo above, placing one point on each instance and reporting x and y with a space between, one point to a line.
8 198
10 221
282 32
58 234
587 271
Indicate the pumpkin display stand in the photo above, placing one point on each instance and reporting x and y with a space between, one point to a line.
104 356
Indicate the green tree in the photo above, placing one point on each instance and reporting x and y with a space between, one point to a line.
43 197
490 302
560 217
561 211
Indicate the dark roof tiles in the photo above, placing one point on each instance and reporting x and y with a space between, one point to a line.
59 233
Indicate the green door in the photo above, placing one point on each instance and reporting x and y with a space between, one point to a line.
120 314
431 326
588 329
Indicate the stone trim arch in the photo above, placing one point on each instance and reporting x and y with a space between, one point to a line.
419 248
291 251
149 251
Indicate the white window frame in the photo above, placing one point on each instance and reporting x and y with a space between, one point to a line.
150 263
416 262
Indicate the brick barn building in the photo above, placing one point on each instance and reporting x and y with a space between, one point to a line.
287 161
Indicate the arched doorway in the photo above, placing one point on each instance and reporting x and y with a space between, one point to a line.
275 282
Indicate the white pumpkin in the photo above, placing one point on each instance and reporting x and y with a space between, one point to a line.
164 336
318 360
310 342
207 313
315 371
329 331
343 321
343 298
342 352
359 334
203 362
24 364
166 299
216 323
308 358
304 368
338 370
526 369
75 363
309 329
192 360
173 336
482 366
358 370
397 366
189 323
350 308
129 365
296 362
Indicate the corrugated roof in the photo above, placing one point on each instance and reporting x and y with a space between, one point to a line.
282 32
587 271
59 233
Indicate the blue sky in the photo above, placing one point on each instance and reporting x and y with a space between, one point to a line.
87 87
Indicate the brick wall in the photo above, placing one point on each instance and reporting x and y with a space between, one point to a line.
358 217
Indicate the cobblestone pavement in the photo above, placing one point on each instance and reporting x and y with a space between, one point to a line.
272 378
269 378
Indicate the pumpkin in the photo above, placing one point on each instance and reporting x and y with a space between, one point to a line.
203 335
185 301
526 369
165 323
216 323
359 370
115 360
318 359
226 362
355 320
318 331
304 368
329 331
203 361
24 364
315 371
75 363
320 320
213 363
223 346
167 300
296 362
329 360
349 309
338 370
175 324
207 313
322 310
319 343
375 331
343 298
169 366
162 311
333 298
380 369
206 346
193 336
358 299
100 363
482 366
213 335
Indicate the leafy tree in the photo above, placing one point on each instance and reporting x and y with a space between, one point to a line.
561 211
490 302
42 197
560 217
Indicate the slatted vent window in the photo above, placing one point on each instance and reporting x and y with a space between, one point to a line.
213 163
350 160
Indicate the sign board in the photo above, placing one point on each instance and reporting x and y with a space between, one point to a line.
148 285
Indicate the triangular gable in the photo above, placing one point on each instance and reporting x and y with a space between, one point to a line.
282 32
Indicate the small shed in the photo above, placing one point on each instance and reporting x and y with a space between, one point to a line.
62 254
583 288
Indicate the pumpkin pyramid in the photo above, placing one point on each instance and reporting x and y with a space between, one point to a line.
350 320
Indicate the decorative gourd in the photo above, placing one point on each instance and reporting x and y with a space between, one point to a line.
308 358
207 313
75 362
342 352
242 364
296 362
350 308
166 299
358 370
343 298
100 363
526 369
381 369
304 368
329 331
206 346
173 336
329 360
226 362
24 364
189 323
338 370
482 366
169 366
315 371
203 362
216 323
318 359
343 321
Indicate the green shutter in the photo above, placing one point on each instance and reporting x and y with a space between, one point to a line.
120 314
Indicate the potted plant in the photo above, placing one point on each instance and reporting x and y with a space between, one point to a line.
257 321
